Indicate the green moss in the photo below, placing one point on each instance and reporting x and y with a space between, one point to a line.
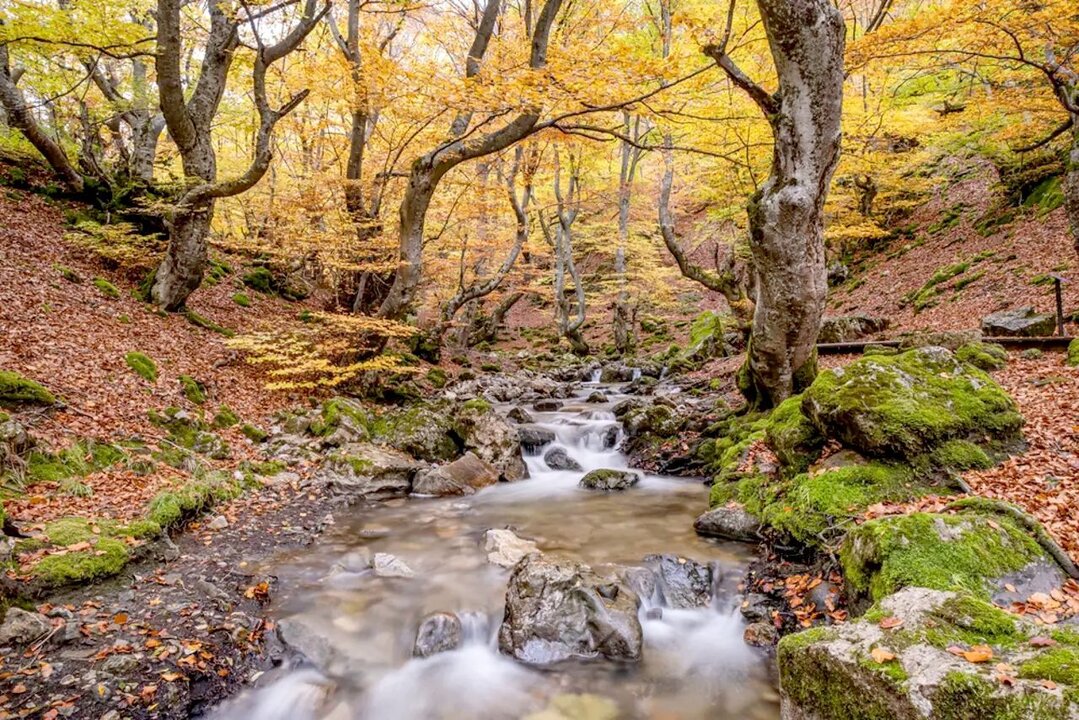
968 620
69 531
942 552
139 529
207 324
241 299
477 405
171 507
1059 664
437 377
968 696
192 389
335 410
253 433
960 455
879 350
984 356
1031 354
17 390
795 440
260 279
107 288
1073 353
67 274
225 418
82 458
906 405
143 365
269 468
216 271
107 558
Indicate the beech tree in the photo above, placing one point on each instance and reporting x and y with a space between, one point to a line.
786 216
189 116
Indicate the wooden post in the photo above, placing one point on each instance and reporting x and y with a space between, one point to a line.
1057 280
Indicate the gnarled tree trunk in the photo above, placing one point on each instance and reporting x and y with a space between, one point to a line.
786 217
1071 179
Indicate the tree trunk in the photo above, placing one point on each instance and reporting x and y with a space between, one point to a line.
421 187
180 273
486 329
1071 183
786 217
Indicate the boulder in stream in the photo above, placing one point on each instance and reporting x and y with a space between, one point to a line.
439 632
557 612
682 582
608 479
534 437
547 405
362 469
558 459
505 548
390 566
463 476
492 438
729 522
519 415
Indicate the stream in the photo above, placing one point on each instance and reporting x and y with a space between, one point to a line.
359 628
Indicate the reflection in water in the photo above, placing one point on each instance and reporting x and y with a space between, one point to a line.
359 628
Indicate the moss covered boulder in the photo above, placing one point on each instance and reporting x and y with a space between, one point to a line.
975 551
16 391
905 661
907 405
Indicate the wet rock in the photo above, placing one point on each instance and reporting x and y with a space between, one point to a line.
547 405
463 476
558 459
368 470
596 397
426 432
21 627
616 374
492 438
848 328
120 664
728 522
756 608
607 479
534 437
303 635
390 566
761 634
1020 322
556 612
439 632
505 548
683 583
519 415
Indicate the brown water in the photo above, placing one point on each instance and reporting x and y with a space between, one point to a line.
695 664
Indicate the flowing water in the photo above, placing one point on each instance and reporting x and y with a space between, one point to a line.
361 627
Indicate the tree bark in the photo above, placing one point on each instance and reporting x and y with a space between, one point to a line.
1071 181
20 117
786 217
428 170
624 316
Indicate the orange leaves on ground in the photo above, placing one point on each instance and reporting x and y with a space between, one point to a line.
882 655
976 654
890 623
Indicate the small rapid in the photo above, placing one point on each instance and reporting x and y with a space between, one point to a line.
357 628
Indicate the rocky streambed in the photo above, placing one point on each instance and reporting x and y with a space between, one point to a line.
537 598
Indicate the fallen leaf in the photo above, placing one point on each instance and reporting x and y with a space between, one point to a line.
882 655
979 654
891 622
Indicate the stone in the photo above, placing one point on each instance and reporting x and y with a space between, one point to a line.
1019 322
390 566
756 608
304 636
683 583
21 627
596 397
829 672
424 431
729 522
534 437
556 612
120 664
463 476
218 523
547 405
364 470
492 438
904 406
557 458
848 328
760 634
438 632
607 479
505 548
519 415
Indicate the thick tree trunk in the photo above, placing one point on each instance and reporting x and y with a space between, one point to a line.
1071 184
421 187
180 273
786 217
486 329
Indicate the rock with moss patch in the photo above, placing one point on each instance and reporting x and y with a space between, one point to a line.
106 558
425 431
365 470
1073 353
608 479
107 288
970 551
984 356
729 522
848 328
795 440
16 391
907 405
492 438
862 671
1020 322
192 389
463 476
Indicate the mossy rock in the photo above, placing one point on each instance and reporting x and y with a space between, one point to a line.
254 433
832 673
206 323
16 391
192 389
242 299
969 552
107 288
172 507
225 418
107 558
796 441
1073 353
78 460
143 365
260 279
984 356
907 405
437 377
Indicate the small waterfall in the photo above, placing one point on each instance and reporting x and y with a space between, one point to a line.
596 375
663 372
636 374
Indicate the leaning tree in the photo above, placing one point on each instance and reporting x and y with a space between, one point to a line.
786 216
190 113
